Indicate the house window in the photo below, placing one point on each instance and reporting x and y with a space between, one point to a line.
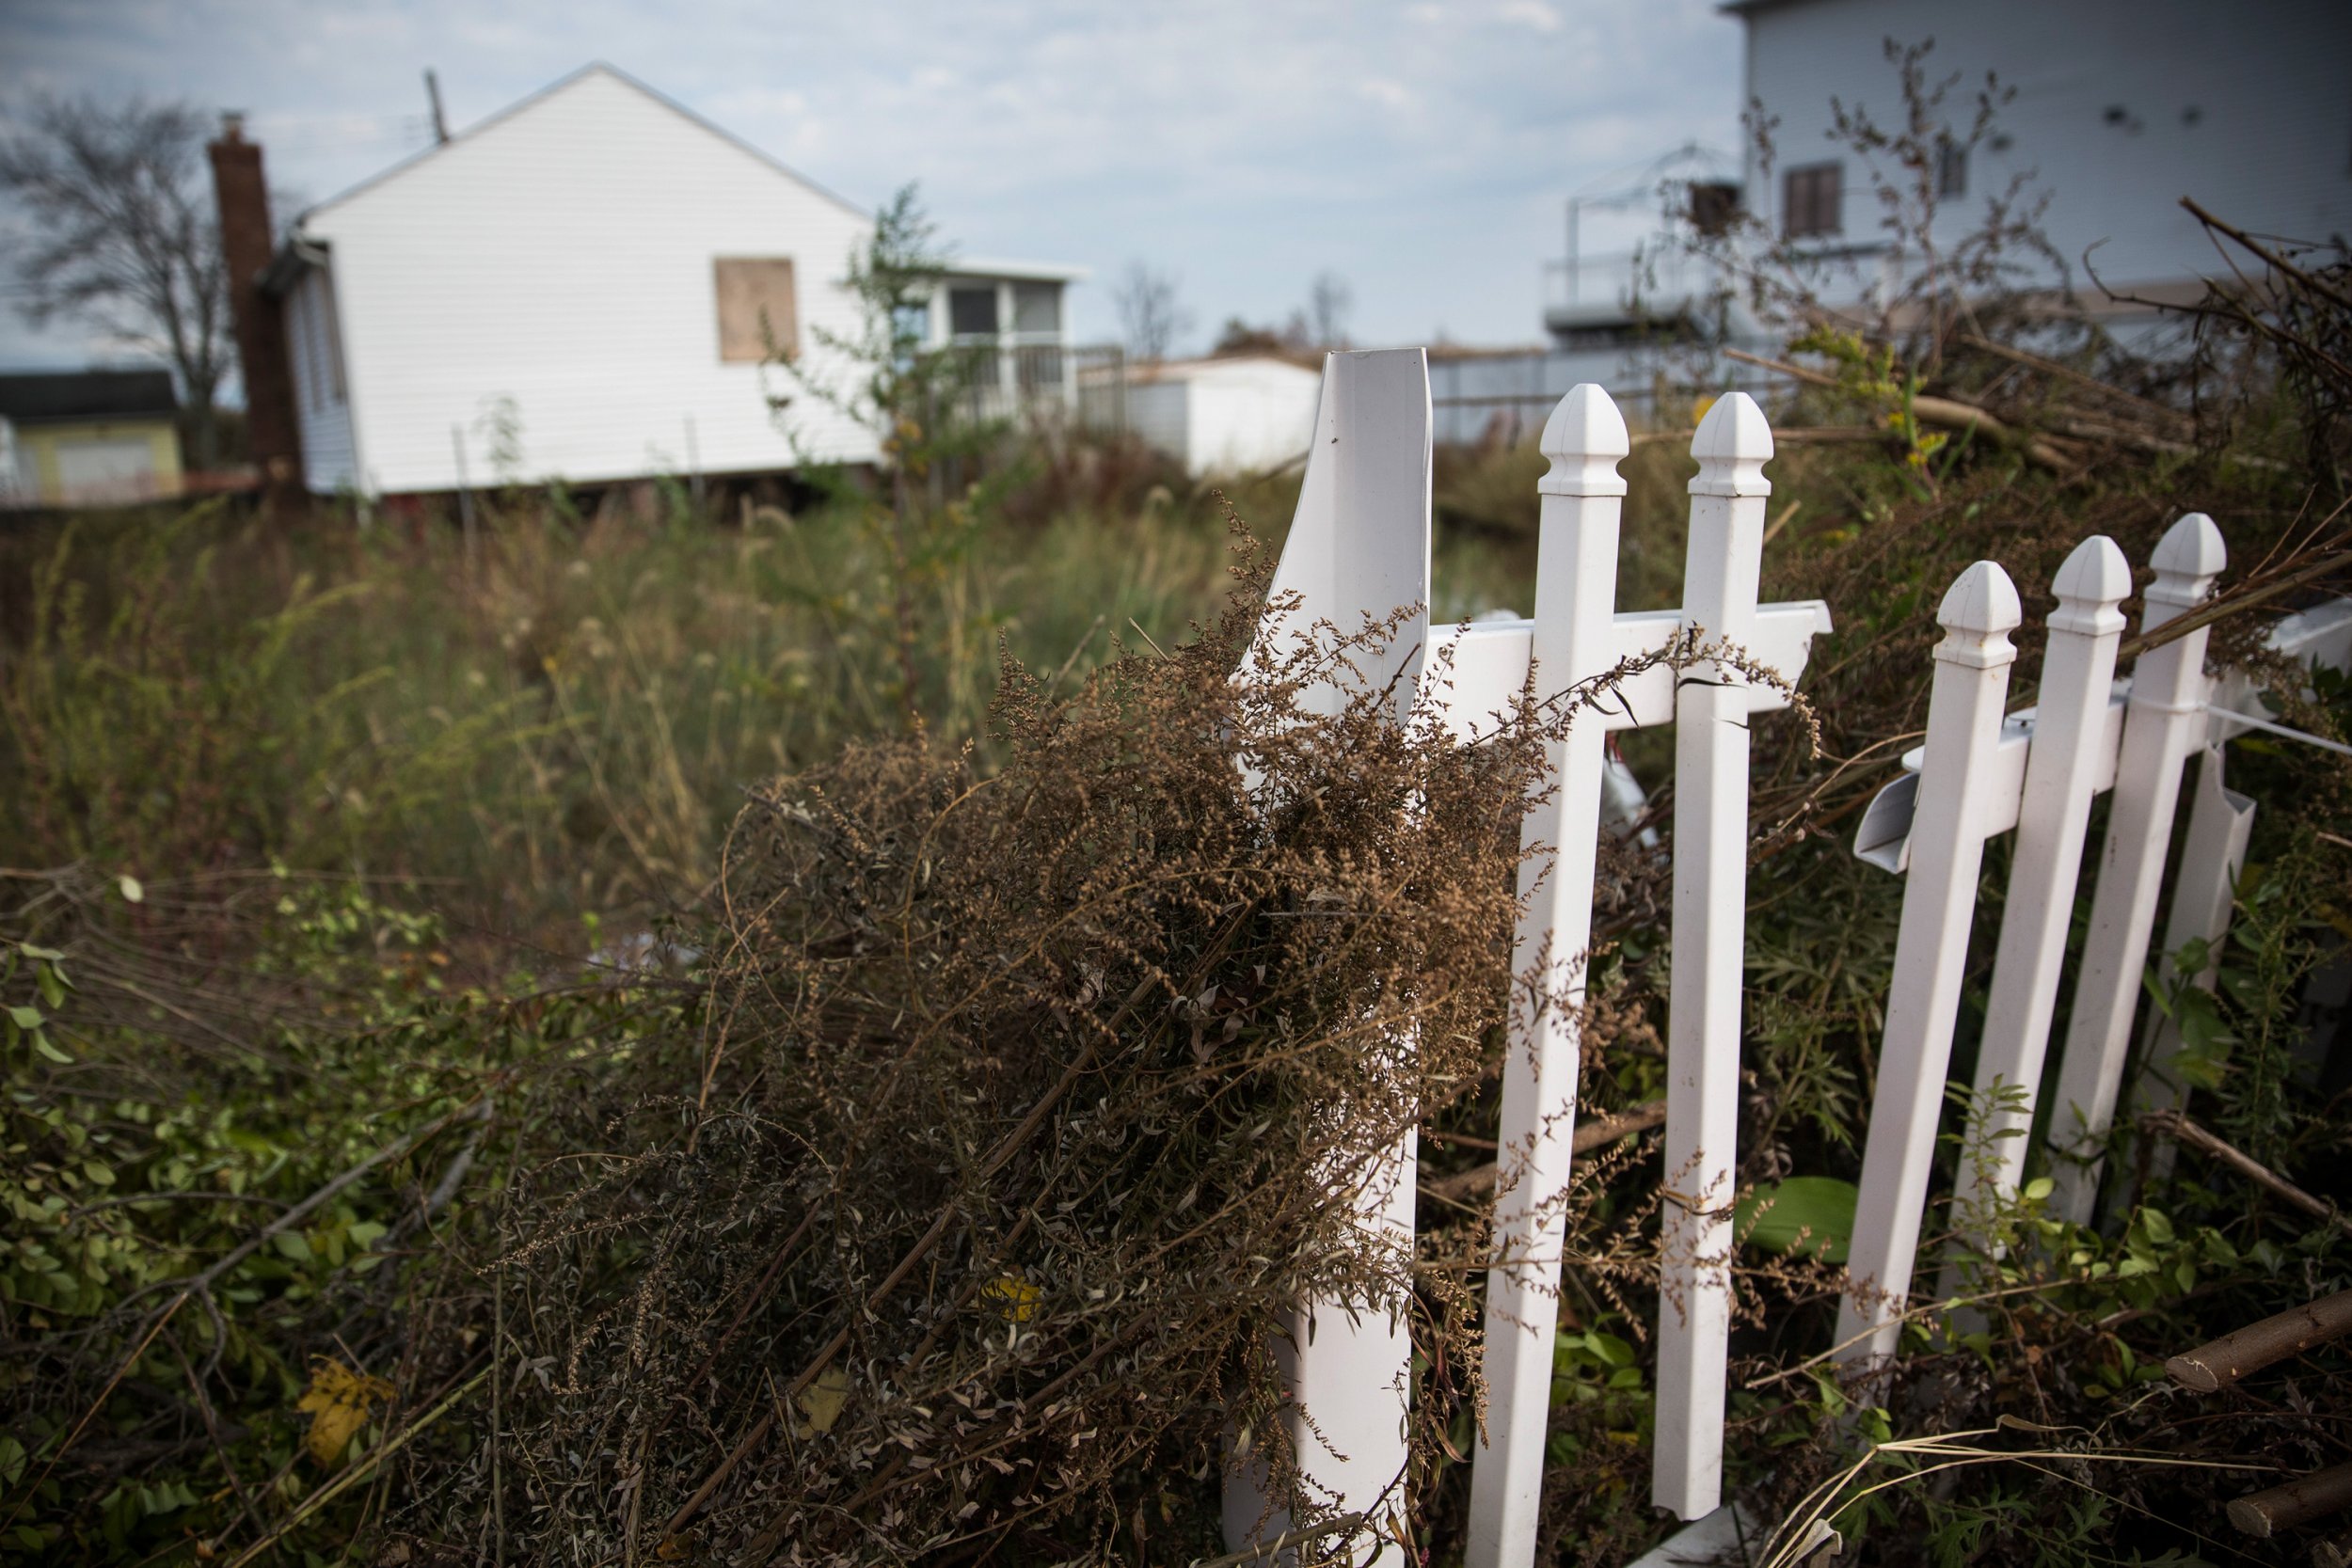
971 313
1813 199
1951 167
758 316
1037 307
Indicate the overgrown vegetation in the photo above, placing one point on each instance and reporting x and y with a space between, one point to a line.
527 1054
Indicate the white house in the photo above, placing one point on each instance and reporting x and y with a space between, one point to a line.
1237 415
2122 108
585 287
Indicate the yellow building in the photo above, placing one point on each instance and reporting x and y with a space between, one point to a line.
88 438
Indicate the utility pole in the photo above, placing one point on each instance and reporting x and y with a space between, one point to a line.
433 94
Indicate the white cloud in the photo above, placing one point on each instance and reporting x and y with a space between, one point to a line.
1530 13
1420 149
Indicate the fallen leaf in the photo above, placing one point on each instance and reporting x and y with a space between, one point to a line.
822 1400
1015 1298
338 1401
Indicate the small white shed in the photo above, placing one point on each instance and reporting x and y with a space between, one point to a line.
1237 415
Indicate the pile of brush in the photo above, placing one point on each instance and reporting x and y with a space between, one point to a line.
1010 1142
1950 376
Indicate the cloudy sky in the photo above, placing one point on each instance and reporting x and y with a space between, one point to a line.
1420 151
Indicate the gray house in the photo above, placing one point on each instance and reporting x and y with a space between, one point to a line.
2122 107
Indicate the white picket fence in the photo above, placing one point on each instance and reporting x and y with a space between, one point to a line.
1361 545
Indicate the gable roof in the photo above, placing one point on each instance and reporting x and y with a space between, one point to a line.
56 397
594 68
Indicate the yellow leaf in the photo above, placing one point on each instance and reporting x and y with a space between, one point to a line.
1015 1298
338 1401
822 1400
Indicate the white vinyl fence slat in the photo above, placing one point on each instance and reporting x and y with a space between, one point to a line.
1358 547
1723 565
1972 664
2165 720
1576 577
2062 772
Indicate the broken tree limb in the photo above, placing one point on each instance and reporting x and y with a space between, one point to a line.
2172 1124
2156 411
1942 413
2299 1501
1469 1185
2250 1349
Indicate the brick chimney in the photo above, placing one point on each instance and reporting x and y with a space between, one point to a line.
272 434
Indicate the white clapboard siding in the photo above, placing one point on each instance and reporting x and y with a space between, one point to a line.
322 398
1971 680
560 257
2064 771
2164 722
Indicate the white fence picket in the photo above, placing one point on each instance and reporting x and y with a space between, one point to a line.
1358 547
2162 724
1576 577
2062 772
1964 712
1723 565
2220 822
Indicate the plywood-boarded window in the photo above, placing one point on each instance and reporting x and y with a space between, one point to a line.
757 312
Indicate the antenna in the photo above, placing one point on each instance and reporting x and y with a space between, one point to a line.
433 92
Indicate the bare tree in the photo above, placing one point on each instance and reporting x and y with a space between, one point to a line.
1328 301
120 232
1151 318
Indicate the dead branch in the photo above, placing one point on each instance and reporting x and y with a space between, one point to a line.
2264 1513
1942 413
2250 1349
1591 1135
2174 1125
2270 257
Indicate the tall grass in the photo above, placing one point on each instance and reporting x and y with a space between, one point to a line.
558 716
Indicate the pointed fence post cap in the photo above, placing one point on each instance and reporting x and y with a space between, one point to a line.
1586 439
2187 559
1977 614
1732 444
2093 582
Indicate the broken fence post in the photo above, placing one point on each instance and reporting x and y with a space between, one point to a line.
2165 716
1964 712
2063 765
